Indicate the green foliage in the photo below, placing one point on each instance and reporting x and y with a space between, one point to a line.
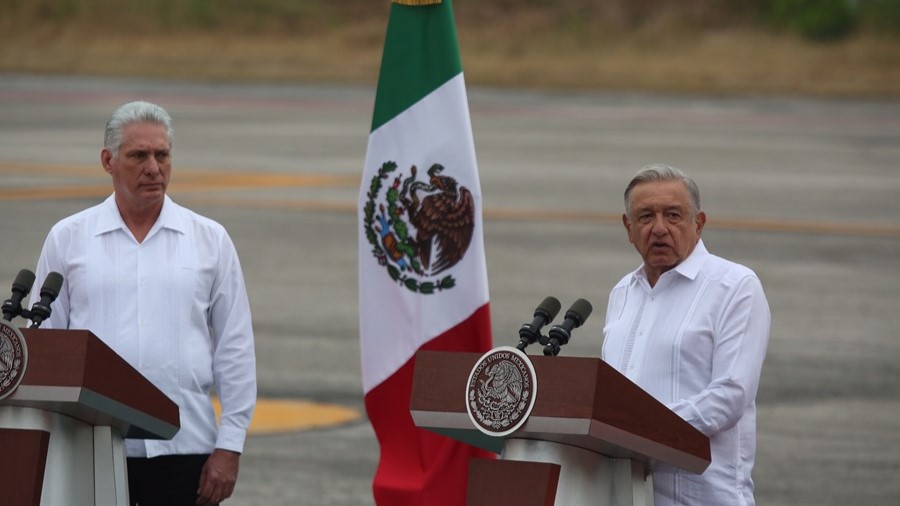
174 15
881 15
814 19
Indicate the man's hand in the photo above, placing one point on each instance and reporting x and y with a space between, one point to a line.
218 477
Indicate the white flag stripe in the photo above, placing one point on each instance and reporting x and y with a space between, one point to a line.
436 129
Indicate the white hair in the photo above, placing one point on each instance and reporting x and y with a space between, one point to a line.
663 172
134 112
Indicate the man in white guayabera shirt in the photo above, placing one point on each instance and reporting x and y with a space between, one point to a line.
163 287
691 329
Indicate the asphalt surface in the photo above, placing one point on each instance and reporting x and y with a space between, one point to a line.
806 192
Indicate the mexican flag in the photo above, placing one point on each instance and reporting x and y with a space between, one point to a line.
422 274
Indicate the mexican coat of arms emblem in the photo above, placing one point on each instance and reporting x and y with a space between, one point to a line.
418 229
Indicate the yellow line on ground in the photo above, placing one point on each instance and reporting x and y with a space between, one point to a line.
511 214
279 204
824 228
191 176
283 415
855 229
187 180
53 169
55 192
196 181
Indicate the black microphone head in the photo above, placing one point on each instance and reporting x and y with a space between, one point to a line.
548 308
24 281
12 307
52 285
579 311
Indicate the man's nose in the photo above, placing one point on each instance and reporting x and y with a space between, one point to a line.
659 225
151 167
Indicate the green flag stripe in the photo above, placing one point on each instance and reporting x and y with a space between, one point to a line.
420 54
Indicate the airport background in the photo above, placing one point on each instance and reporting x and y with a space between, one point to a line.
786 112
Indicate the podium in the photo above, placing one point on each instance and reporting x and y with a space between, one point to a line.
593 436
62 430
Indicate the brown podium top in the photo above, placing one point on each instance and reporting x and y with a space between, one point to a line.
580 401
74 373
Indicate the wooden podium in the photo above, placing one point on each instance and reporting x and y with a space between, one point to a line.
593 436
62 430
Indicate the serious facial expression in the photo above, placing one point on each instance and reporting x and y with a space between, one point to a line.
140 170
662 225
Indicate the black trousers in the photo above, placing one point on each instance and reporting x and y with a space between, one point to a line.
169 480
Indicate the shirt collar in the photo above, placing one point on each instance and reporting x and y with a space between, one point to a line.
110 219
691 265
688 268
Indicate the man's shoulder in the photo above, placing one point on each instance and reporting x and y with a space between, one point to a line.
196 220
78 219
725 270
625 281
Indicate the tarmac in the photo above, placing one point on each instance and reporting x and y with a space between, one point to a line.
804 191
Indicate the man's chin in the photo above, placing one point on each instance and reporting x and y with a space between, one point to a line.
153 193
151 199
661 262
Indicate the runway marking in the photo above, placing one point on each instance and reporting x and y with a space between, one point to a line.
274 416
201 181
187 180
855 229
544 215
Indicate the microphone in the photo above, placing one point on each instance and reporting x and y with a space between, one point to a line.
12 307
40 311
559 335
544 314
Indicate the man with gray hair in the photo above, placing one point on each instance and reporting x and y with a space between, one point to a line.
163 287
691 329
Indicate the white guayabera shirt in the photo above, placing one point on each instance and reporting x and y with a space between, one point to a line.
174 306
696 342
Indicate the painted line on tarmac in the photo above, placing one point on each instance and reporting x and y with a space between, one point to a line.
27 169
750 224
275 416
531 215
196 181
186 180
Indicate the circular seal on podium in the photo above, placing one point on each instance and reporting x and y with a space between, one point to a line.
501 390
13 358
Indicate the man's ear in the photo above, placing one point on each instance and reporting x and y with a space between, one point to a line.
105 158
701 222
627 225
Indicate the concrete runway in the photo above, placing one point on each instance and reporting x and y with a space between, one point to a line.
806 192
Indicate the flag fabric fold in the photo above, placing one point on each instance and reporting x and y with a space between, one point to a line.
422 271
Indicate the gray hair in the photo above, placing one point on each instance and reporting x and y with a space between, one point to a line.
134 112
656 172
